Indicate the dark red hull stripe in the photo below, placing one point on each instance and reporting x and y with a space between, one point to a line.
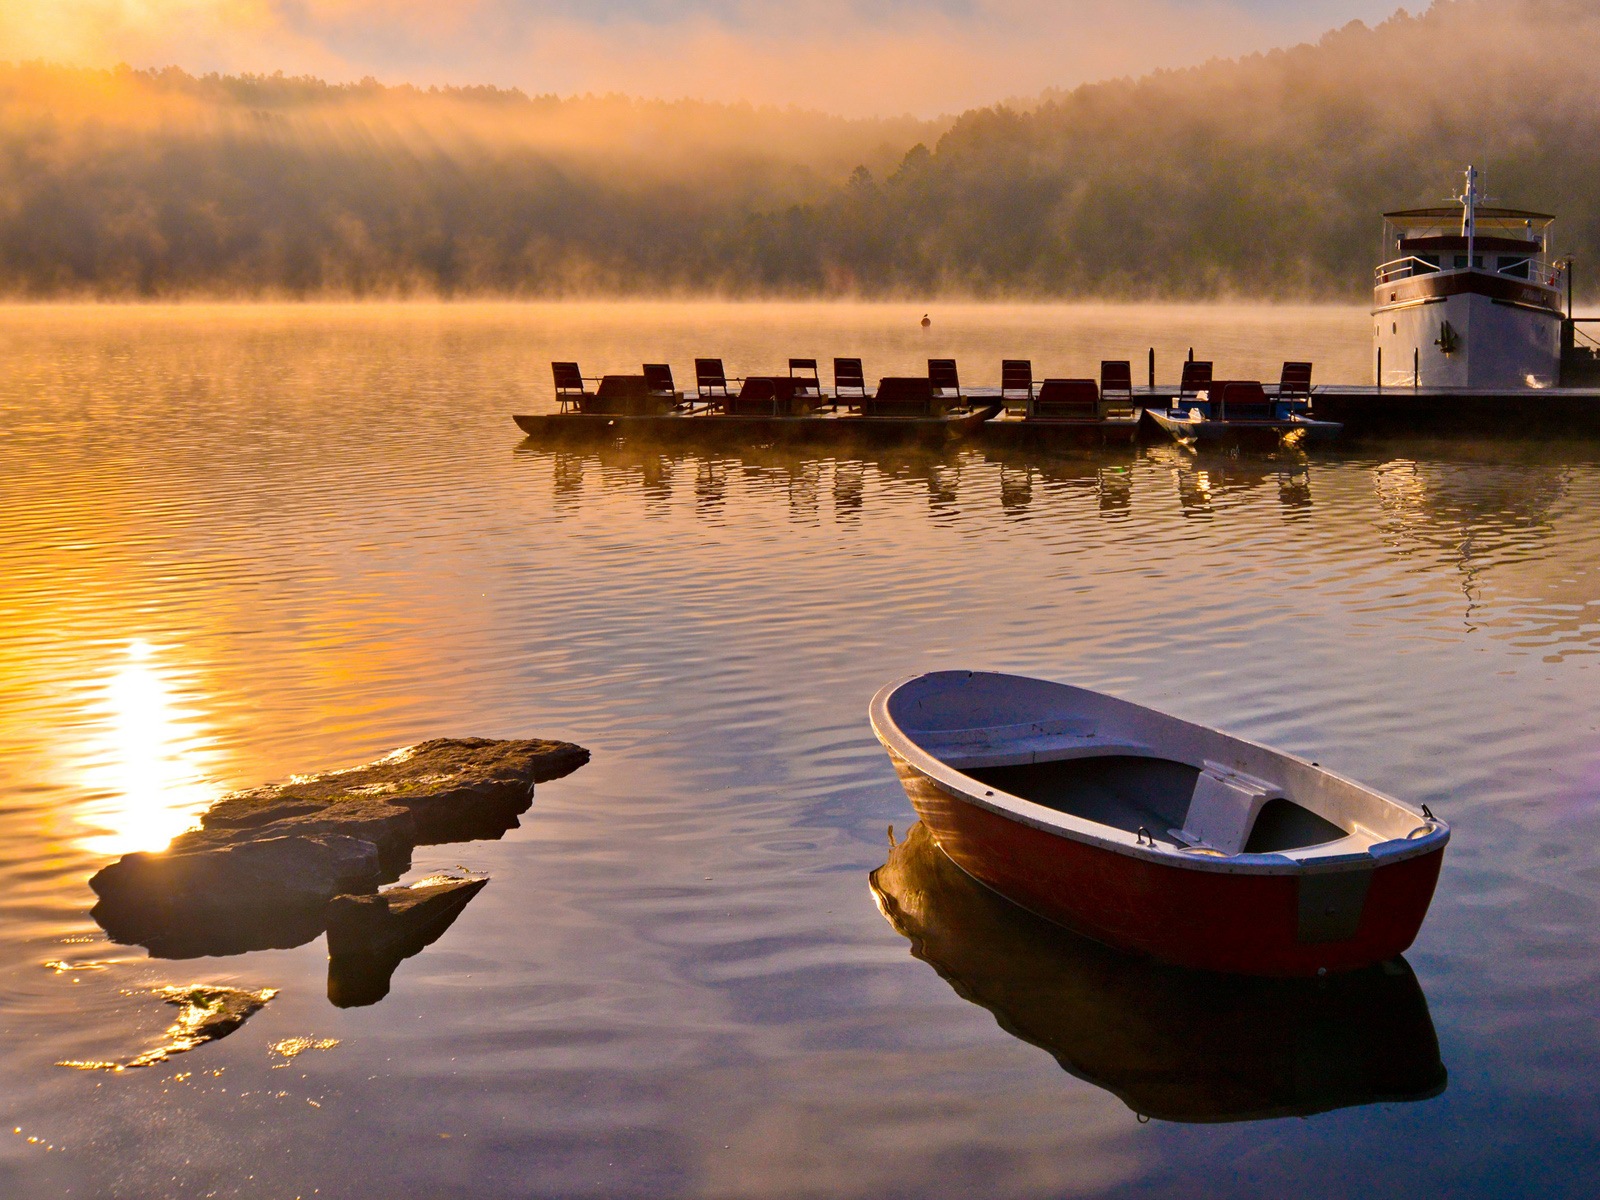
1251 924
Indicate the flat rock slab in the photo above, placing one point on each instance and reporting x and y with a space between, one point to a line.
452 789
260 870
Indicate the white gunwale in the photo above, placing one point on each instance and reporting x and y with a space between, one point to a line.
1364 847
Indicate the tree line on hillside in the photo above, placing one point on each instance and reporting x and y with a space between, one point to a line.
1261 177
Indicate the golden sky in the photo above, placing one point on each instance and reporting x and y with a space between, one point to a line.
853 56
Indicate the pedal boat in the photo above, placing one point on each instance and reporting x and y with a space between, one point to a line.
1068 410
1157 835
1194 426
767 409
1241 411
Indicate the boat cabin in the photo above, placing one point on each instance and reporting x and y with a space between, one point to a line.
1467 297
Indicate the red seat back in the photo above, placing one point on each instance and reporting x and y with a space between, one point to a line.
943 376
658 378
902 396
1078 399
709 377
804 372
1116 379
1295 383
568 377
1016 379
1196 376
847 377
1243 400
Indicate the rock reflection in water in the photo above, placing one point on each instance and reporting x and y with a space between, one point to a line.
370 936
205 1014
1170 1043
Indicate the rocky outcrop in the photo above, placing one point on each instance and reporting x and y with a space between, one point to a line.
262 867
369 936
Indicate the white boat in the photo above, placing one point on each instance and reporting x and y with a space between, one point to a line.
1471 300
1155 834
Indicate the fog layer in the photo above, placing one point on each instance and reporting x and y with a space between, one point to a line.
1261 177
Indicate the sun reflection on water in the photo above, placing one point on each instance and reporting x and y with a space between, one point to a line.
147 775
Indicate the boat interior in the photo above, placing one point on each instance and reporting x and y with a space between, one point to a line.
1163 799
1168 782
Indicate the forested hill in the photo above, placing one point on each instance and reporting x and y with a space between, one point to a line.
1257 177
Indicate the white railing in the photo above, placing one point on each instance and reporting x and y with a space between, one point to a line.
1545 274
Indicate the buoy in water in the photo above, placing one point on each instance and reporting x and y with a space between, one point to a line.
925 321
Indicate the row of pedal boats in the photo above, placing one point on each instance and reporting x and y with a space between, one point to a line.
934 407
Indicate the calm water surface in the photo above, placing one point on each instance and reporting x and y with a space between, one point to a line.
241 543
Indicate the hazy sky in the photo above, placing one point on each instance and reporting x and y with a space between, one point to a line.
850 56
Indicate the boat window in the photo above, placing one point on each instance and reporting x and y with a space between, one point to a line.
1284 825
1514 266
1432 261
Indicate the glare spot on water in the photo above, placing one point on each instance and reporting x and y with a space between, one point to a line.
147 766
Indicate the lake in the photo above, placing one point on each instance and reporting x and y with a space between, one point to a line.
239 543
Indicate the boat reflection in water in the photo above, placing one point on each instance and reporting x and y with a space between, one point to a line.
1171 1043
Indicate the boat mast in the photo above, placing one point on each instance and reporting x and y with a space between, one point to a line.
1469 211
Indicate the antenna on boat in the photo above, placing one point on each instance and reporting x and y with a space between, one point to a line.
1469 205
1469 210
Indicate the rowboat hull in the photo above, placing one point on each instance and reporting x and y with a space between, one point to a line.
1172 1044
1241 911
757 430
1241 924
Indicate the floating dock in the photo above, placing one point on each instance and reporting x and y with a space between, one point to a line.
1443 412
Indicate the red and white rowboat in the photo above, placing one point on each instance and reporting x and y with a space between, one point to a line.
1157 835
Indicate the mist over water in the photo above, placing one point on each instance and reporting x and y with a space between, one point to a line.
1258 178
240 543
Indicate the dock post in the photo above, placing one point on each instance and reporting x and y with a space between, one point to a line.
1191 353
1152 368
1416 368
